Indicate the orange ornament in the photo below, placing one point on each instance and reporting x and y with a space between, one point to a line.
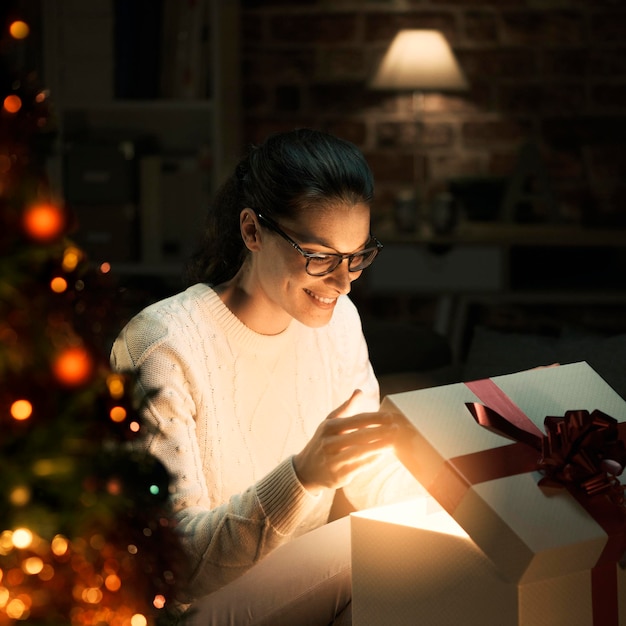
73 366
44 221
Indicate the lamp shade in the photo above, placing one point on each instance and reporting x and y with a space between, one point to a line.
420 60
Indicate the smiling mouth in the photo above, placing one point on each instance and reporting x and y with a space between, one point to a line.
320 299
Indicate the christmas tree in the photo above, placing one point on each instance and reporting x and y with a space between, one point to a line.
84 535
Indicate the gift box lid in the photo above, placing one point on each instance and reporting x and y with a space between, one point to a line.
530 532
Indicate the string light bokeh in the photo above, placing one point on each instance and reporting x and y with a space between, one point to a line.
84 533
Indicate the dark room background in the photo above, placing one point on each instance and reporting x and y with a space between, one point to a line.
545 110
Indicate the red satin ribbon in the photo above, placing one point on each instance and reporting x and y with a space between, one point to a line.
458 474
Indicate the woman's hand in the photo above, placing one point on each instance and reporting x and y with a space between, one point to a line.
343 444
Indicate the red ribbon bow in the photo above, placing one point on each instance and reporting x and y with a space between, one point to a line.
580 449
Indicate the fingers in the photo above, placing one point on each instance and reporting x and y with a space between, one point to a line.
354 440
362 420
359 441
345 443
348 406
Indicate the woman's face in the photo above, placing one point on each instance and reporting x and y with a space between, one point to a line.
280 268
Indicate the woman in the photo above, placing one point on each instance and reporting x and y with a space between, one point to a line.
265 401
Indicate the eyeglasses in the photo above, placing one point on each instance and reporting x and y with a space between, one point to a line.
322 263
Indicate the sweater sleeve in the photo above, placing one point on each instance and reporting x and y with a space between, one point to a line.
220 542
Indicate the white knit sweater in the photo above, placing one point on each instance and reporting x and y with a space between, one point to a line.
232 407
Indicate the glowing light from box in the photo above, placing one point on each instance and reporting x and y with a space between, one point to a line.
423 513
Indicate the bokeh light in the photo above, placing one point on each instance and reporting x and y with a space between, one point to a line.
16 609
58 284
112 582
115 384
47 573
59 545
73 366
138 620
159 601
20 495
44 221
118 414
12 103
19 29
21 410
6 542
22 538
91 595
71 257
32 565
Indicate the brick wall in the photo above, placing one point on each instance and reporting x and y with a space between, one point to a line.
550 71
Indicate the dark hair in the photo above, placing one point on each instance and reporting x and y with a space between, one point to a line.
288 173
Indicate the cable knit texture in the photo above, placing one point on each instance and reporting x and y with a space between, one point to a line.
230 409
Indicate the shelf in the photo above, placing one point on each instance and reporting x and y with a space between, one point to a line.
159 104
503 234
139 172
179 127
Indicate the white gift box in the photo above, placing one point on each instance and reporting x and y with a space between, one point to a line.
490 545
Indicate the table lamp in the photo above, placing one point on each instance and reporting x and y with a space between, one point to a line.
420 61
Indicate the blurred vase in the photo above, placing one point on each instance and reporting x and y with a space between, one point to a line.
444 213
405 211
